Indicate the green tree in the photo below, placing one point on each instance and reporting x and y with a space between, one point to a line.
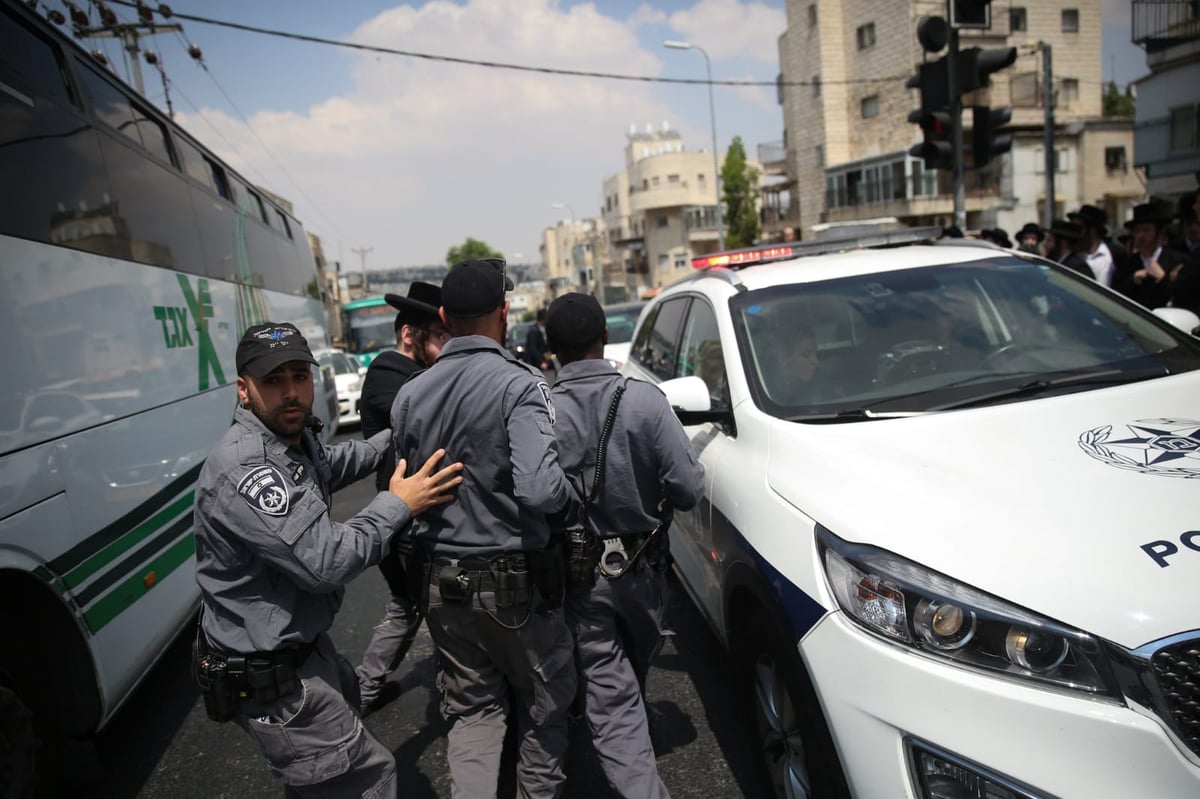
470 250
739 182
1117 104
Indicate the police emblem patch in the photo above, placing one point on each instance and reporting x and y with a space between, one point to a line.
265 490
1166 447
545 388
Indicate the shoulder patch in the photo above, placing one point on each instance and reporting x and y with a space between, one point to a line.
544 387
265 490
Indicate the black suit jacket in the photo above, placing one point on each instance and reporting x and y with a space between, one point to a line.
1150 293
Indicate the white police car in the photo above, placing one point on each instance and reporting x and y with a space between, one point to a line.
951 531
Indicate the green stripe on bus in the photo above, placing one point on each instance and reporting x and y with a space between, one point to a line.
99 540
128 541
131 564
137 586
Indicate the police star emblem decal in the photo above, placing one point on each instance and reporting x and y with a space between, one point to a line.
1166 447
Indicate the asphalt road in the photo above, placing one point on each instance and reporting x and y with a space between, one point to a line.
162 746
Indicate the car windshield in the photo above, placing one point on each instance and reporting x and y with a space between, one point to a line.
620 320
340 363
944 337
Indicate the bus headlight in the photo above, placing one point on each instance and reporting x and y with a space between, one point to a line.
910 606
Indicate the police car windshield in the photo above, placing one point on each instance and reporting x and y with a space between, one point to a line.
939 337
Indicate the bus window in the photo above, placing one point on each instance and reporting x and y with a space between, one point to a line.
283 220
154 138
194 163
110 105
30 64
219 181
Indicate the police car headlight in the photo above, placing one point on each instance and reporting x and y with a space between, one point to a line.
920 609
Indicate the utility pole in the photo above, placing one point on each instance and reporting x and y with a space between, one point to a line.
129 33
362 257
1048 99
956 106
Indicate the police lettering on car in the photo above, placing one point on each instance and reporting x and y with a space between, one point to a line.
492 576
271 565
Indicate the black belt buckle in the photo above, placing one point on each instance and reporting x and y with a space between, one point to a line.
454 584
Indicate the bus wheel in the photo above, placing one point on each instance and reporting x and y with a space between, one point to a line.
18 747
797 750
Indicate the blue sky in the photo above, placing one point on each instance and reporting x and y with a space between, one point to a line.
409 157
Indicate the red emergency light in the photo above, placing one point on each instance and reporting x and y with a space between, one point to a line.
743 257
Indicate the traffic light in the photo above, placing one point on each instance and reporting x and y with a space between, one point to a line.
931 79
975 66
971 14
938 149
985 142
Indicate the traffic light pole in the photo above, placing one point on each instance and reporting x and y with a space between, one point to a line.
1048 132
956 106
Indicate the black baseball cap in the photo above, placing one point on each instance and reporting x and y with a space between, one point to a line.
266 347
474 288
574 322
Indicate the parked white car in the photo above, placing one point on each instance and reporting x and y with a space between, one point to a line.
951 532
348 376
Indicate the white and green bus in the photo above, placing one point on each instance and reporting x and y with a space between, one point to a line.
131 258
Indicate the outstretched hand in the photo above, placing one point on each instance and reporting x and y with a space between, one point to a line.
426 487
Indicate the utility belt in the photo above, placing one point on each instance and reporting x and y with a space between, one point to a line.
611 557
511 578
226 679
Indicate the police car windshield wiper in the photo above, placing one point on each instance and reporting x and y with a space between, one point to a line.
853 415
1092 379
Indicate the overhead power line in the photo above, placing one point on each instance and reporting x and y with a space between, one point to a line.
576 73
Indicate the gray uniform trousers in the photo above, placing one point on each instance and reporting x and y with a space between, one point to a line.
618 629
392 637
482 654
313 738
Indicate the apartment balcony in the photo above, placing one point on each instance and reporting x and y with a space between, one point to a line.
773 157
1169 145
670 196
1158 24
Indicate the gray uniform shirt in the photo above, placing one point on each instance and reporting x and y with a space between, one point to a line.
493 413
648 458
270 562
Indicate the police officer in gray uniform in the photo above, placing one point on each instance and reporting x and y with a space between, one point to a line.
492 579
645 468
271 566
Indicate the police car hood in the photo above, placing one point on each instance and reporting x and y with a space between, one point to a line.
1053 503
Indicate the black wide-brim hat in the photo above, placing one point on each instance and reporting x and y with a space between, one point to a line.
1031 229
1061 228
421 304
1090 215
1148 213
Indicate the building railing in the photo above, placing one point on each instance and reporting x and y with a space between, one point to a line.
772 152
1161 23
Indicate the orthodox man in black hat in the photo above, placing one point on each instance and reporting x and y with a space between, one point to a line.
420 335
1186 292
1030 237
272 568
1096 248
1063 240
1148 273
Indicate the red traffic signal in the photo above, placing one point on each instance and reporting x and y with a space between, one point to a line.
937 150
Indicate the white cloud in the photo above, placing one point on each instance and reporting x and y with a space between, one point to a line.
646 15
729 28
419 154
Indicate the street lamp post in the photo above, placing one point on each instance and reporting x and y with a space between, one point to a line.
712 115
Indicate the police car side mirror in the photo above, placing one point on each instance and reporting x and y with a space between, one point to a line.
1181 318
690 399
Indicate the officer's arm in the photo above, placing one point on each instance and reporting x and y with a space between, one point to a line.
353 460
316 553
679 470
538 480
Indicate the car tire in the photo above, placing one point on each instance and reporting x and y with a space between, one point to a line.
797 751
